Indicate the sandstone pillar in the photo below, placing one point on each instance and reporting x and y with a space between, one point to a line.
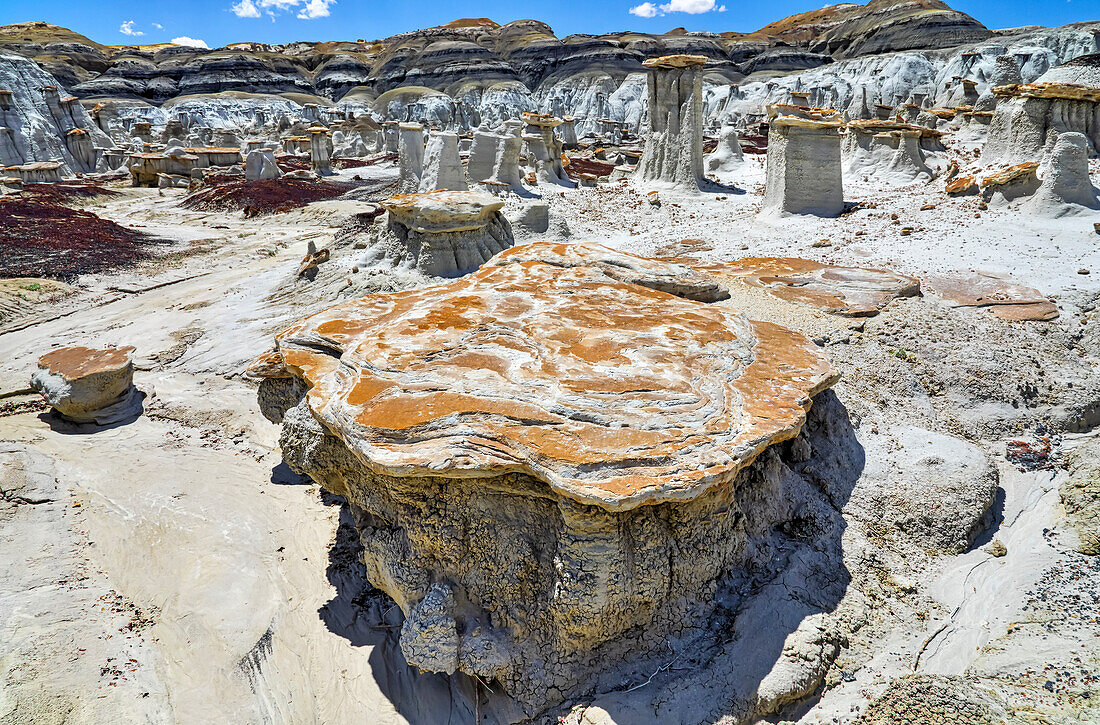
442 163
674 147
410 157
804 174
320 150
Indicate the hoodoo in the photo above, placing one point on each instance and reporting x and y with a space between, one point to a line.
674 147
804 172
439 233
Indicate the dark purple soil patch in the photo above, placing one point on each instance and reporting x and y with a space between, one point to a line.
266 196
44 239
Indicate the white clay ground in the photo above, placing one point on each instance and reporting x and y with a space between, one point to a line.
172 570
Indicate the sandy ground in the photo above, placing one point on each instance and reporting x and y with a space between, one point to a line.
172 569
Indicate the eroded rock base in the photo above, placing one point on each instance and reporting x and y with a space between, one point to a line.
583 598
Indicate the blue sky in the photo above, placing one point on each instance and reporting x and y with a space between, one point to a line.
218 22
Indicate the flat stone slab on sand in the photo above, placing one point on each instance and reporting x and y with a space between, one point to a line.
1006 299
849 291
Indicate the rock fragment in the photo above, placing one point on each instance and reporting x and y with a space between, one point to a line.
85 385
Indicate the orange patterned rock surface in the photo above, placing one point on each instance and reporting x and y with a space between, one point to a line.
612 393
76 362
961 186
851 291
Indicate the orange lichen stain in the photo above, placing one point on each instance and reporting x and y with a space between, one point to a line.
395 413
76 362
366 389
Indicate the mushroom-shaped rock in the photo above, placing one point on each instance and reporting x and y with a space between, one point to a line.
551 465
440 233
85 385
804 172
674 146
1030 116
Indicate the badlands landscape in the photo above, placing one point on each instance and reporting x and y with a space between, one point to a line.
475 374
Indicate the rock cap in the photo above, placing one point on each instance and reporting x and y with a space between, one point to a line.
675 61
443 211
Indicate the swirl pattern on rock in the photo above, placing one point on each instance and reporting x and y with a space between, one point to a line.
612 393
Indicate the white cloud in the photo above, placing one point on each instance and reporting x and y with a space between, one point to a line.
190 42
691 7
158 26
315 9
245 9
305 9
127 28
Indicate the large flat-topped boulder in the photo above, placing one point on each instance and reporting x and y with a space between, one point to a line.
443 211
849 291
611 393
86 385
554 471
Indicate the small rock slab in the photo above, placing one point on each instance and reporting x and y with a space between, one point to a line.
613 394
848 291
675 61
1011 174
85 385
1004 298
962 186
443 211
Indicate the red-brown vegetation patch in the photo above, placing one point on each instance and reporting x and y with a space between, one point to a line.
64 192
265 196
343 163
578 166
44 239
287 164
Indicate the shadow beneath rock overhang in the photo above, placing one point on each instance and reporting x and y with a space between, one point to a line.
717 187
367 617
770 641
